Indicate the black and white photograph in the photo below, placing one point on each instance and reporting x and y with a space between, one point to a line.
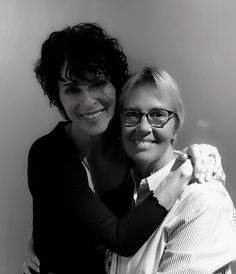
118 137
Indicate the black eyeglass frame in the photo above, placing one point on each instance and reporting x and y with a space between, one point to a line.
170 113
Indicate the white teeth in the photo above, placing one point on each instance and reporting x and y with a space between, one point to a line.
143 143
92 116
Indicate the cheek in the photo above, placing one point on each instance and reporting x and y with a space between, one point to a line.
109 94
69 105
64 103
165 135
107 98
109 90
125 134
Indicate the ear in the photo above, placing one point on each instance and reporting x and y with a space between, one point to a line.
173 140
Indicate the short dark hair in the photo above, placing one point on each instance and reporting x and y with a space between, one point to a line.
88 50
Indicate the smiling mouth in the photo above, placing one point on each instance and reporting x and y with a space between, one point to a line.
143 143
92 115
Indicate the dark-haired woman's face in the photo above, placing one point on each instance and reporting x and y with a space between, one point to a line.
90 107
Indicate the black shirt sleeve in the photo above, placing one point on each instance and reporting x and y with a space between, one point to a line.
58 183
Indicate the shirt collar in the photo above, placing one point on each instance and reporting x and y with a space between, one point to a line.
156 178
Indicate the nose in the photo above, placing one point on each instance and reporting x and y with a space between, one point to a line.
143 126
87 98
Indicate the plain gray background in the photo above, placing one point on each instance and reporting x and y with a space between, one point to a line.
194 40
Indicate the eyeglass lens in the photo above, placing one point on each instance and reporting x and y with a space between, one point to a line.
156 117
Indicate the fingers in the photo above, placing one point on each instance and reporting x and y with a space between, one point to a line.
212 167
210 172
170 188
35 261
194 153
187 169
182 155
206 167
218 172
219 175
25 269
183 166
206 162
33 264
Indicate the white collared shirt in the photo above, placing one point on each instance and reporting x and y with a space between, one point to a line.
197 236
150 183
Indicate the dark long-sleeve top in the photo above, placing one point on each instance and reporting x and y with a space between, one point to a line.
70 222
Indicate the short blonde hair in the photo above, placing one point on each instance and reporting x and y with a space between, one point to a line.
161 79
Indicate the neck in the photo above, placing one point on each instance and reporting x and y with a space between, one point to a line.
146 169
86 144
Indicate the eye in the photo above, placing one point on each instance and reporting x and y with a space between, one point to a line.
159 113
131 114
98 83
72 90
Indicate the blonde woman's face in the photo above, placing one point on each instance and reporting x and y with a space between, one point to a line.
145 143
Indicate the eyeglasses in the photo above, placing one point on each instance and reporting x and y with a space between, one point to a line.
156 117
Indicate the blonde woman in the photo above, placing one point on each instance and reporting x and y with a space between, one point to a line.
198 233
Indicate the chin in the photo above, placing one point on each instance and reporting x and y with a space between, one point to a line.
98 130
144 157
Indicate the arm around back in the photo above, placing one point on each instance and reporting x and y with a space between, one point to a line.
62 197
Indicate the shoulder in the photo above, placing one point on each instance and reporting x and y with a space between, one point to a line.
206 211
50 140
52 160
54 151
208 198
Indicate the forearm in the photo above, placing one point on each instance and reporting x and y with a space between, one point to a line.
126 235
123 236
134 229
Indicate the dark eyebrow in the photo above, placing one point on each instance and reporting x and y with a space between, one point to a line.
67 83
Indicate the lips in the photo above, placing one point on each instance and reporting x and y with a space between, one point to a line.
143 143
92 115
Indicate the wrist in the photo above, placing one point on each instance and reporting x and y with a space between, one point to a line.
159 201
164 199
